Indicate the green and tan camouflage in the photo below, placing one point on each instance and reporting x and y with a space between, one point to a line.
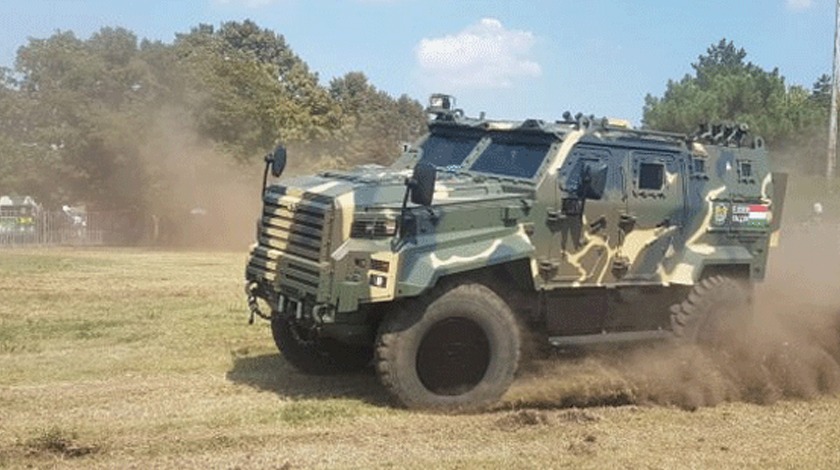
575 219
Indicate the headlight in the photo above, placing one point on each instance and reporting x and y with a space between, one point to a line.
373 228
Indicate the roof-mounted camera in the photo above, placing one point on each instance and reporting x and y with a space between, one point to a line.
443 106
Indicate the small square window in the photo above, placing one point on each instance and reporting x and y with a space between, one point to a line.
745 170
651 176
699 166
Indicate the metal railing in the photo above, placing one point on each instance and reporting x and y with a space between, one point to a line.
57 228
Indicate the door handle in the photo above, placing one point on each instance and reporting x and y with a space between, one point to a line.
626 222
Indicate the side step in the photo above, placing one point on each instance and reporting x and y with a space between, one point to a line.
609 338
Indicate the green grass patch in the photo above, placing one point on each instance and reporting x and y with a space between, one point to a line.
318 411
60 442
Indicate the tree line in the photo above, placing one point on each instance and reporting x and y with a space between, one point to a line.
91 120
100 120
724 86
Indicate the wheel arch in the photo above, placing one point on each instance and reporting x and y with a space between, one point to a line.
739 271
424 268
735 261
510 280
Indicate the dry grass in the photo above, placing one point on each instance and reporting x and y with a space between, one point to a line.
124 358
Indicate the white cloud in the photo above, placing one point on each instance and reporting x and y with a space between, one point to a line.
799 5
484 55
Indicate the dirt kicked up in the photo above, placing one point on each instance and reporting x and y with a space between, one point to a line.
791 349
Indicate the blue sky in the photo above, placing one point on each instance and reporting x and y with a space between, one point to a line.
512 59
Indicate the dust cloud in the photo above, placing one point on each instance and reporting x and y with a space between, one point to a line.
197 195
791 350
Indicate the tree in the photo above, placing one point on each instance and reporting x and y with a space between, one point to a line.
725 87
107 121
250 90
75 96
722 58
374 124
821 91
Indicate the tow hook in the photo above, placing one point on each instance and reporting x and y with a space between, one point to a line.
253 306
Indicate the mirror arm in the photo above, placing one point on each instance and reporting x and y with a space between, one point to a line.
265 172
583 190
409 184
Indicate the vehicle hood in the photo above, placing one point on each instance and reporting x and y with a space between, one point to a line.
372 186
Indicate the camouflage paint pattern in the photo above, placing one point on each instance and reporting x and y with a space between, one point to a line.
672 206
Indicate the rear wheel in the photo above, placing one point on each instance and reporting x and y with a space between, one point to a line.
317 356
716 311
459 350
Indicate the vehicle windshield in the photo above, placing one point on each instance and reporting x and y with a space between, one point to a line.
512 157
448 151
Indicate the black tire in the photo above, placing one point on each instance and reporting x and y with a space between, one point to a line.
716 311
456 351
317 356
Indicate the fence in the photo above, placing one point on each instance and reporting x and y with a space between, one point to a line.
57 228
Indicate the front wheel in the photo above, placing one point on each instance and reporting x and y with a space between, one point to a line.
313 355
457 351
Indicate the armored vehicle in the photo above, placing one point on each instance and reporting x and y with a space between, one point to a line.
485 232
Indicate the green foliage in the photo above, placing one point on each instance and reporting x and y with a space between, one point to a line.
821 91
89 120
725 87
80 119
248 90
309 411
56 440
374 124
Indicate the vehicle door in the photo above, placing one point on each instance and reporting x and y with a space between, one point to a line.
585 220
652 224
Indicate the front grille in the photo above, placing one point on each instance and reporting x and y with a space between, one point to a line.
293 243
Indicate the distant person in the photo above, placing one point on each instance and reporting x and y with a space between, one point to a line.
816 216
75 215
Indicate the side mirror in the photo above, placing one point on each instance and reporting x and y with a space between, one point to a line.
593 180
422 184
278 161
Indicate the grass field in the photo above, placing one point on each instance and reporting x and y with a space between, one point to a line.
128 358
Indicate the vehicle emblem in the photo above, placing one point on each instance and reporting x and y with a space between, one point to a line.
720 214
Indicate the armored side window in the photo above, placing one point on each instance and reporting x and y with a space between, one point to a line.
745 169
746 172
699 166
572 171
651 176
